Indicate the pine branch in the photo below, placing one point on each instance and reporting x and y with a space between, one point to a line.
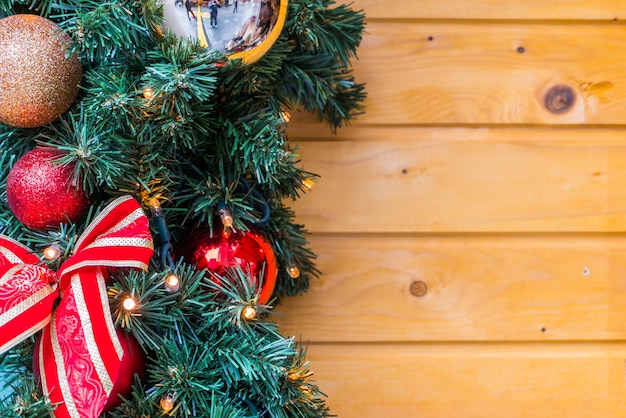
9 7
162 118
292 251
317 83
316 75
321 27
114 89
105 32
96 154
26 402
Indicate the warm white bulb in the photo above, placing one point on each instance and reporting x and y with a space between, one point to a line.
172 283
226 217
294 272
286 117
249 313
308 184
129 304
52 253
148 93
167 403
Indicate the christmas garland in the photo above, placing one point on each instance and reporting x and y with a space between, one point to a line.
144 231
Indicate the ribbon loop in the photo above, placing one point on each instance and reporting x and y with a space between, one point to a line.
79 353
118 237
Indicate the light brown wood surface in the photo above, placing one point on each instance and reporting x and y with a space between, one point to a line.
464 180
479 288
491 73
603 10
473 381
472 241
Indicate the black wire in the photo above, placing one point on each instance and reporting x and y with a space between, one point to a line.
259 202
164 248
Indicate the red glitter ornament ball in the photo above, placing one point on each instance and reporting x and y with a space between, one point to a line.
37 81
247 250
39 191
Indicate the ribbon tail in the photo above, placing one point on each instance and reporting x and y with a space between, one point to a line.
79 354
27 295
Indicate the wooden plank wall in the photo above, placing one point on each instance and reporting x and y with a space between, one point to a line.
470 226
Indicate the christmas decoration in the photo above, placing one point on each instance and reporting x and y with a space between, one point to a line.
26 295
79 356
133 363
223 249
198 138
40 193
246 36
37 81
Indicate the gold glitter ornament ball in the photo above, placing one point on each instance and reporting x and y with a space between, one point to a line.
37 82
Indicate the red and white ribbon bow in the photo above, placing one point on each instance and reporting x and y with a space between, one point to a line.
79 353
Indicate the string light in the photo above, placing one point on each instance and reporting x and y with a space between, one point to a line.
294 272
308 184
148 93
285 116
52 252
158 31
225 216
167 402
129 304
155 206
172 283
249 313
164 248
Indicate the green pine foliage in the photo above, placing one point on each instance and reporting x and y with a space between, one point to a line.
210 134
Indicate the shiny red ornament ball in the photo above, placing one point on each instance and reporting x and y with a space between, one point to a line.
38 82
133 363
39 191
227 249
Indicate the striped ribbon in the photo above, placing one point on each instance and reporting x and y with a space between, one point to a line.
79 352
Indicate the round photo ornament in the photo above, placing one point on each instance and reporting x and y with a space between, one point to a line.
241 29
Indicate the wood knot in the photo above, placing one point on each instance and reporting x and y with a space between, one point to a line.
559 99
418 288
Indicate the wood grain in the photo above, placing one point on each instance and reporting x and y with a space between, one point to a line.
471 231
468 73
472 381
479 288
607 10
445 181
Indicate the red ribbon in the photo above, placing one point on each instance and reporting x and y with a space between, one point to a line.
79 353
